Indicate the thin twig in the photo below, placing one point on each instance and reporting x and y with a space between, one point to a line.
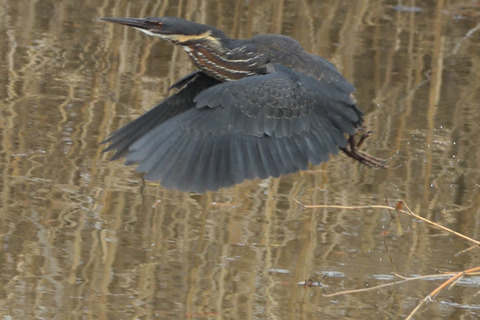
408 212
385 285
411 213
399 208
437 290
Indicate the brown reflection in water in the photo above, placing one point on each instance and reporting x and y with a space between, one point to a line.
86 238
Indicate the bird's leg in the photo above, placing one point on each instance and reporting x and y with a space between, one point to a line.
363 138
352 150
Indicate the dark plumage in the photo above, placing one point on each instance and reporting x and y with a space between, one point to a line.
257 108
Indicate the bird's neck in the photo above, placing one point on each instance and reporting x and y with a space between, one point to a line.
222 63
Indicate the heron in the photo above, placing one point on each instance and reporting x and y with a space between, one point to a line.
255 108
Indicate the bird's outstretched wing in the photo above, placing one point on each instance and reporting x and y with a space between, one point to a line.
182 100
258 126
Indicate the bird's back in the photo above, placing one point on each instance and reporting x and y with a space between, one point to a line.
286 51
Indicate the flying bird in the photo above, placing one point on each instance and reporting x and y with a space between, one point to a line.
260 107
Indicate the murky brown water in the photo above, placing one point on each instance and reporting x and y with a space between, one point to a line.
85 238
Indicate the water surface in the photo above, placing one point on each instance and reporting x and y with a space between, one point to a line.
85 238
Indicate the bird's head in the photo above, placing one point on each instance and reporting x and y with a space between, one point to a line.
175 30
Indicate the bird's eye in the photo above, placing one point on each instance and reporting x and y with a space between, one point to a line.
159 24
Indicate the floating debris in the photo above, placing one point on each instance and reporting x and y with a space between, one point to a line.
284 271
408 9
311 283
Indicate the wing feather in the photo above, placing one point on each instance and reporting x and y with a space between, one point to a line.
259 126
175 104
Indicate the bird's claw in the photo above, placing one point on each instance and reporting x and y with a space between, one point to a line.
352 150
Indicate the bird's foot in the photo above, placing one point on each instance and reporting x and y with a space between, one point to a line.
352 150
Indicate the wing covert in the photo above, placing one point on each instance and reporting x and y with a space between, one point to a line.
282 103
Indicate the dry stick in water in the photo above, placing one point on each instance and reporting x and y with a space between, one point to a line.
432 294
398 209
427 277
400 204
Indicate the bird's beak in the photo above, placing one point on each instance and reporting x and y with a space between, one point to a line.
139 23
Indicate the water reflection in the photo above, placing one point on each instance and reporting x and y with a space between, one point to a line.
87 238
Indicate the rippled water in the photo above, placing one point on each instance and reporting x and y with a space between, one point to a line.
86 238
